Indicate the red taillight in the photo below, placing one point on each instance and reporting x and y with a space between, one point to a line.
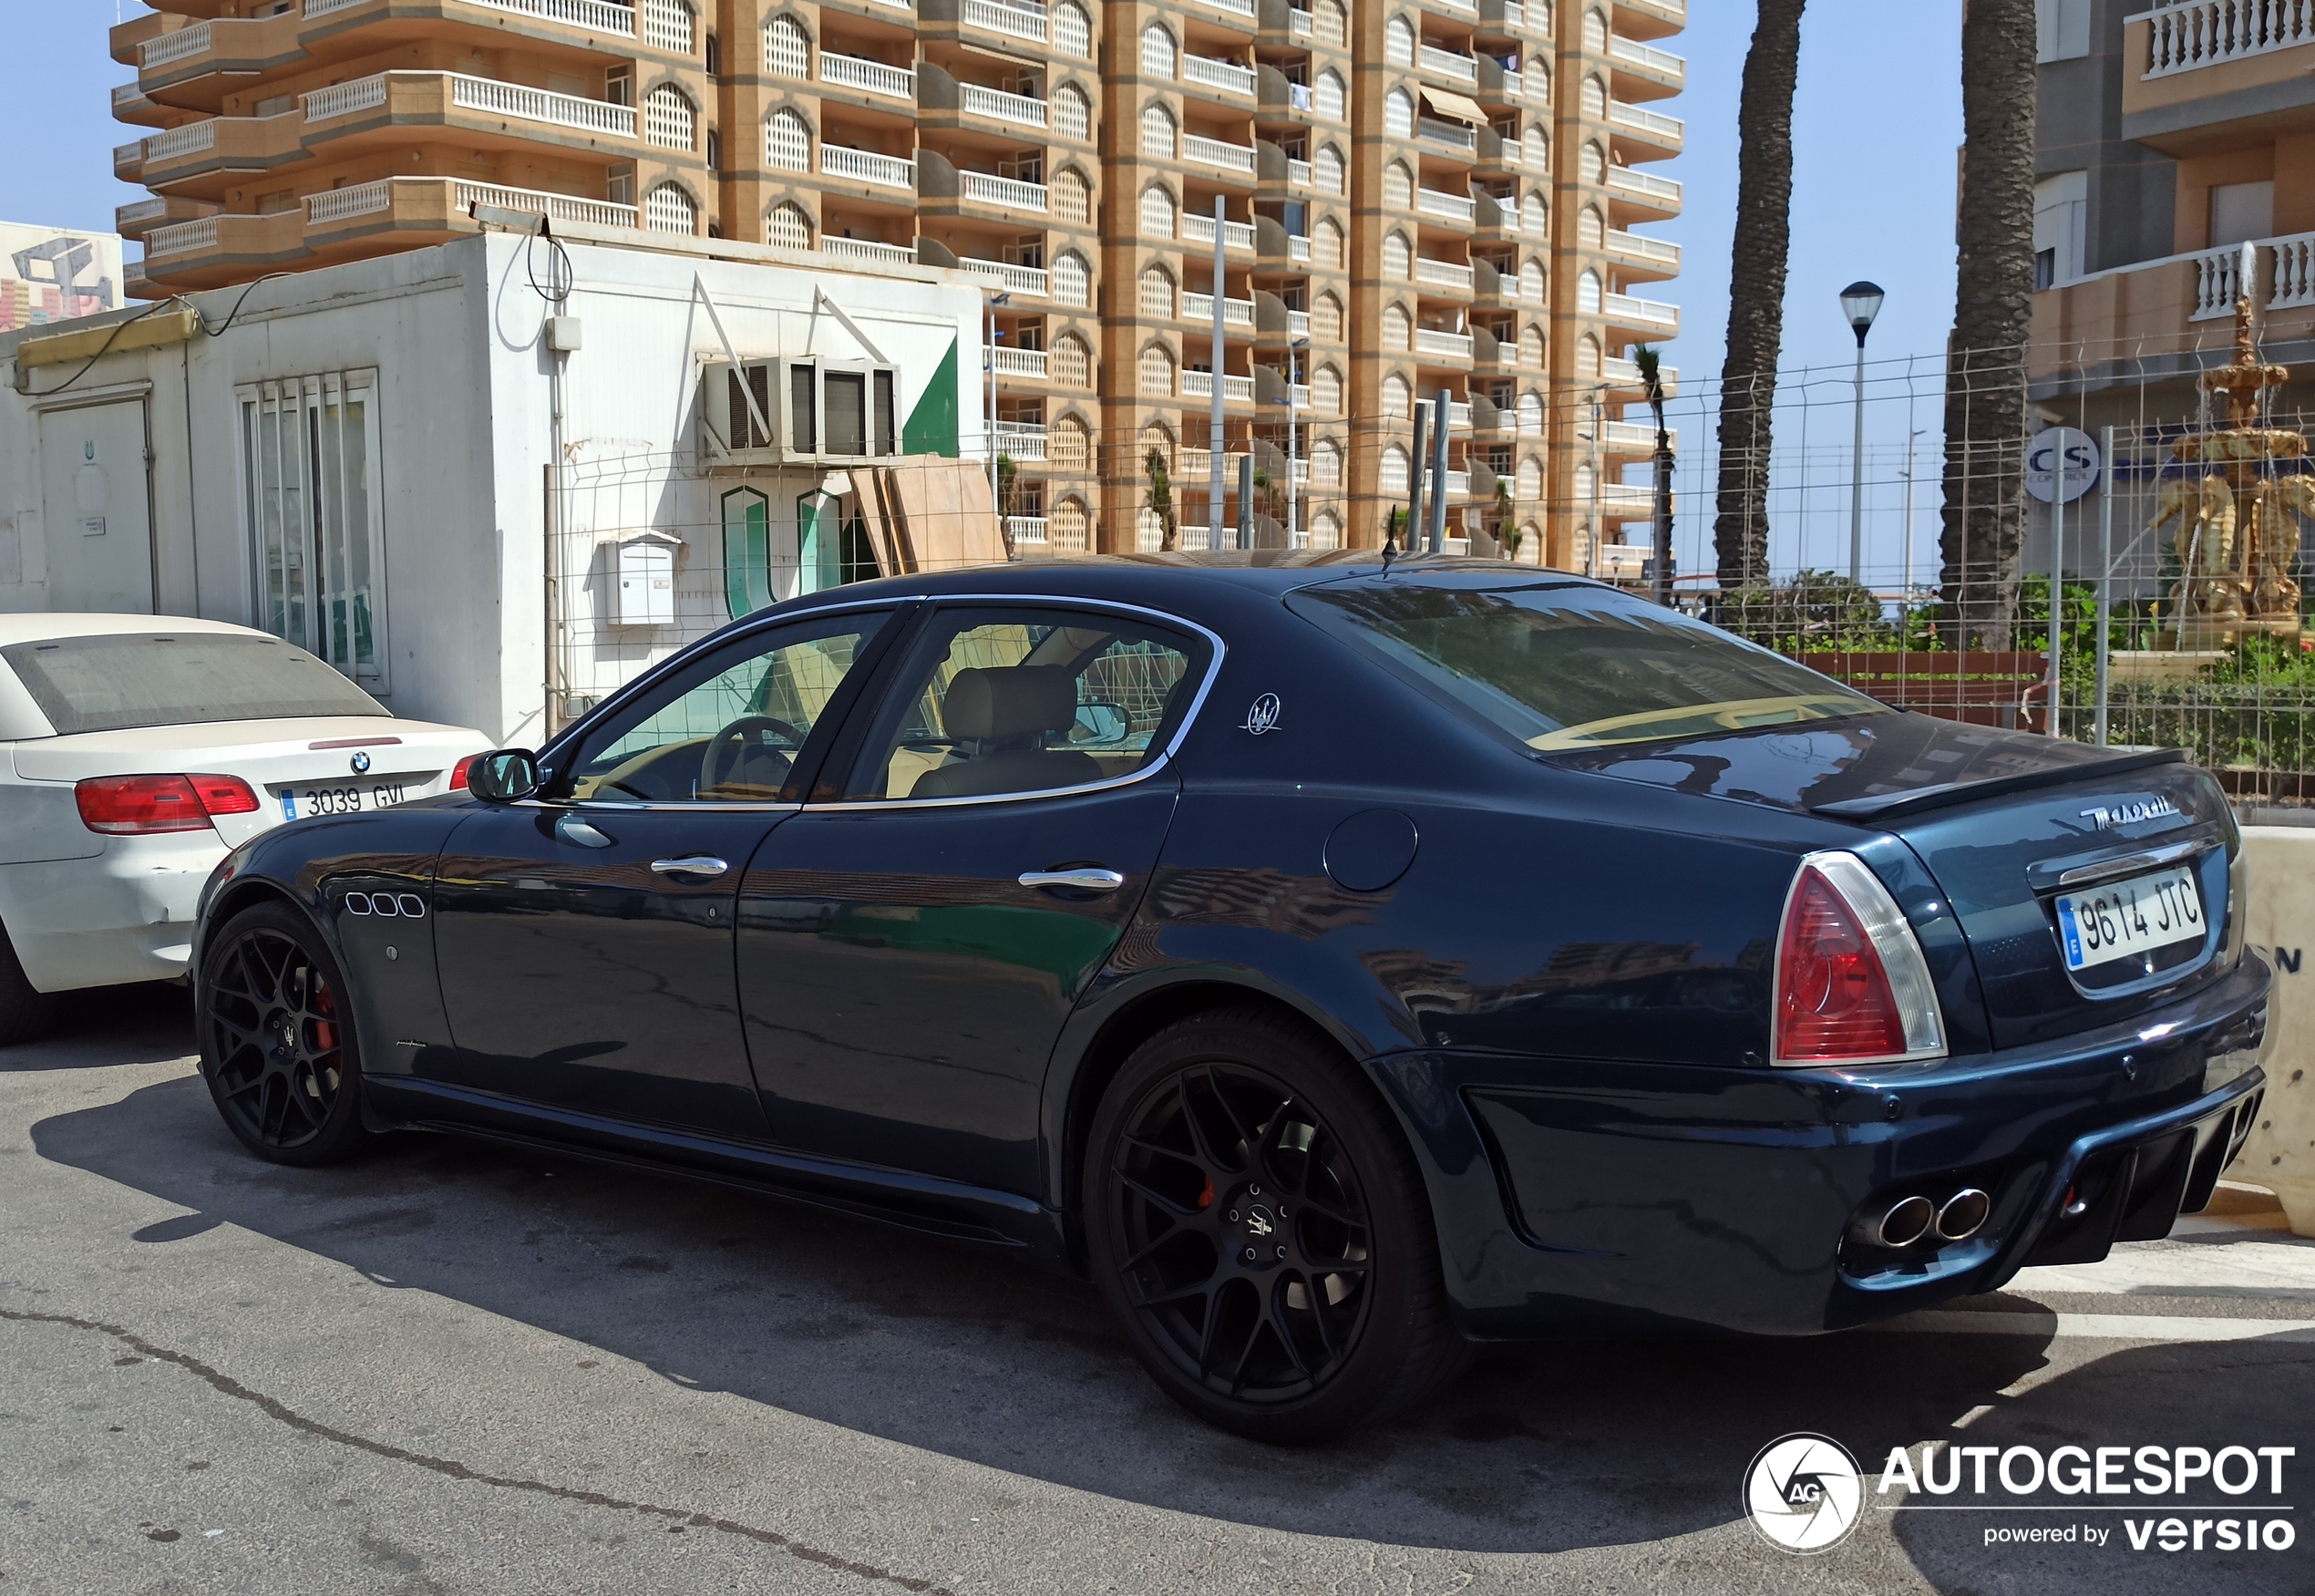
138 805
1833 996
458 772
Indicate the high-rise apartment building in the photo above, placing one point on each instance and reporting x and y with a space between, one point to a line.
1411 197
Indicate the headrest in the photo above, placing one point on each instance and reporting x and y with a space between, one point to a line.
984 705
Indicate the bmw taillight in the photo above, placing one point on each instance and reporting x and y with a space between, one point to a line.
458 772
1852 986
132 806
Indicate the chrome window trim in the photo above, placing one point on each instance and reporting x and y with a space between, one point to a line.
1164 758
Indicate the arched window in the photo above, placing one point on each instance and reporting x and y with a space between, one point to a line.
670 119
670 24
1326 170
1327 97
1595 98
1583 483
787 53
788 227
1398 114
1326 319
1157 52
1588 356
1530 418
1072 283
1326 390
1334 23
1398 186
1591 231
1398 257
1072 30
1531 283
1327 246
670 210
1527 484
1326 530
1588 293
1157 301
1326 464
1157 132
1398 398
1398 328
1069 443
1398 43
1156 213
1393 475
788 142
1595 34
1535 146
1595 164
1539 212
1072 112
1069 524
1156 372
1072 198
1072 362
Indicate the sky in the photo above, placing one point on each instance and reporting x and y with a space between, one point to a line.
1876 121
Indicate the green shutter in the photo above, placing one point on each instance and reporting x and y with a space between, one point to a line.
747 552
931 429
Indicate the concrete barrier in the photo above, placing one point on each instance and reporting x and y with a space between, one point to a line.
2279 870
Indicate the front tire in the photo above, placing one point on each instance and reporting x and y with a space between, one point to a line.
1258 1228
277 1041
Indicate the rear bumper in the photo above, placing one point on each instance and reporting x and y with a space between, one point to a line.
1587 1194
122 915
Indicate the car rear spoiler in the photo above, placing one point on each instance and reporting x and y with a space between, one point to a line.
1888 805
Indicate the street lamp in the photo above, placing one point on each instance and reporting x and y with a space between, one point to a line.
1860 303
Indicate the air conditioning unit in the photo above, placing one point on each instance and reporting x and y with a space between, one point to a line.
808 410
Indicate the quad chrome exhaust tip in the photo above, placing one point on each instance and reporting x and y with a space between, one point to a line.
1906 1222
1962 1214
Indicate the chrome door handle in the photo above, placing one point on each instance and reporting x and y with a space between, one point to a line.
1085 880
697 864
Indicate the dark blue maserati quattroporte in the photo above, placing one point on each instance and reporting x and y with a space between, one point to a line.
1336 962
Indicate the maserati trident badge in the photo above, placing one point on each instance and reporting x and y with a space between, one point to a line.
1262 715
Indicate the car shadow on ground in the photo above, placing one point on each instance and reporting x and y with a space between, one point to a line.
107 1026
964 1353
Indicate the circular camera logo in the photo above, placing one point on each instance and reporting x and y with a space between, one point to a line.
1802 1492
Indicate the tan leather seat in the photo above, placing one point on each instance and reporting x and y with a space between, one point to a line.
1001 717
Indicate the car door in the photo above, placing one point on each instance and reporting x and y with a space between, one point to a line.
585 937
909 953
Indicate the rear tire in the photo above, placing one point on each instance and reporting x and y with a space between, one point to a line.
277 1041
1259 1229
27 1012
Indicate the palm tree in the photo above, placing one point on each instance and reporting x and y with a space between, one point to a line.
1756 294
1984 520
1159 499
1651 381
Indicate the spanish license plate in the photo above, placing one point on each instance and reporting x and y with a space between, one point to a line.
349 798
2130 918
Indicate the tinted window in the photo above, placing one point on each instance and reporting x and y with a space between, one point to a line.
132 679
1030 700
1562 665
726 728
847 413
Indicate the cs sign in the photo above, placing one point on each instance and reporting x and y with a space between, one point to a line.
2062 464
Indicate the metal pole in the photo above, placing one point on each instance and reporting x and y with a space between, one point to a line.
1415 474
1591 531
1439 407
1246 499
990 361
1857 475
1905 589
2057 578
2105 570
1214 443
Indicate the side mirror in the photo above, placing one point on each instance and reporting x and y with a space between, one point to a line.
1100 721
504 775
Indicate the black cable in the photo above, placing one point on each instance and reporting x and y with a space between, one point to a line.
559 274
234 315
106 348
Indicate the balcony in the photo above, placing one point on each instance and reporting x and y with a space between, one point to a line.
1025 529
1454 136
1625 374
182 238
1652 129
1645 190
1199 308
862 250
1646 315
1447 345
875 78
1642 68
1032 281
1450 274
1216 153
129 220
1498 213
1632 437
1200 230
1241 9
1223 77
1658 256
1199 384
1651 18
2186 34
1019 110
1015 19
1448 65
129 105
333 208
593 15
883 172
1300 173
1023 440
1010 193
1455 208
127 158
1018 362
539 104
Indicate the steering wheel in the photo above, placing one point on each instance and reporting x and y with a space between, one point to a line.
730 751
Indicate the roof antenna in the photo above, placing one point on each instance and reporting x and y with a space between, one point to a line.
1390 546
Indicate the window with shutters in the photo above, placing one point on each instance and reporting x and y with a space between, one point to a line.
1068 524
1326 530
1327 245
1157 132
1072 112
1334 23
1528 482
1072 283
1591 231
1595 98
1588 295
1072 196
786 52
1326 464
1531 347
1595 34
1398 186
1327 97
311 448
1157 52
1069 444
1398 257
669 118
1326 170
1072 30
1531 282
1539 212
1398 43
1326 390
1398 328
1157 303
788 227
1072 362
1156 213
1393 478
1588 356
1531 412
670 24
1536 144
1156 372
1397 398
1398 114
1595 164
670 210
1326 319
788 142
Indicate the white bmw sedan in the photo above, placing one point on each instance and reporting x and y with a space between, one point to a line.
135 751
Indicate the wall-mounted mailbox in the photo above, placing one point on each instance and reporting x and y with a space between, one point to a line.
643 579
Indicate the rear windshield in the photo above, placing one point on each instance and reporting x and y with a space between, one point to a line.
1561 664
132 679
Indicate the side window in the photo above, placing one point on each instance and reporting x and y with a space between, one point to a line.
729 729
1000 701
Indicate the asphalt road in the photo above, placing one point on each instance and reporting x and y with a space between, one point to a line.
453 1367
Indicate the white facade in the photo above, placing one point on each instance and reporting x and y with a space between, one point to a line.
357 458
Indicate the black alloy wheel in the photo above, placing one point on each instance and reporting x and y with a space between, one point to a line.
1258 1225
277 1040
